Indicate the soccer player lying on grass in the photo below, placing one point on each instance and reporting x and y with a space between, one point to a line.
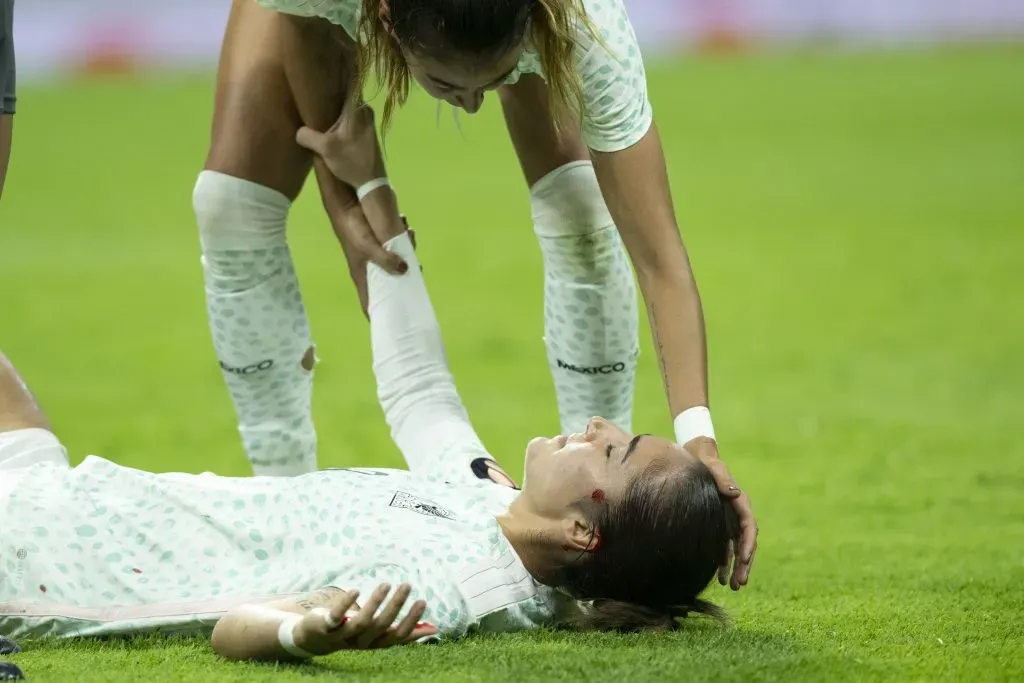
610 530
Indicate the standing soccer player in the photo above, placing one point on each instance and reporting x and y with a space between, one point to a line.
6 85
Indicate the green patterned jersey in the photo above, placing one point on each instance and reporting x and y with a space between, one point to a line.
103 549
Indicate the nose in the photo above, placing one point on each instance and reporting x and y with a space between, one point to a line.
471 102
595 425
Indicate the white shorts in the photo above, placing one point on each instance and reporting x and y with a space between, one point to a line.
23 448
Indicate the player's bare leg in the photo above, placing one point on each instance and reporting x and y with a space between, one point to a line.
6 136
7 86
18 407
591 316
253 172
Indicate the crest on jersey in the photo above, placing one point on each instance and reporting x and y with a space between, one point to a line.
420 505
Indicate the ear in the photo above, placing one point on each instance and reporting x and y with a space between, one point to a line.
385 18
579 536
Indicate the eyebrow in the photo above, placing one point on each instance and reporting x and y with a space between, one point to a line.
500 79
632 446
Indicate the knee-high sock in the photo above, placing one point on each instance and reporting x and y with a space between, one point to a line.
260 331
590 303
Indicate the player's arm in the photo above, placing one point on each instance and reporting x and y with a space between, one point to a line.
320 623
321 72
630 166
421 404
415 387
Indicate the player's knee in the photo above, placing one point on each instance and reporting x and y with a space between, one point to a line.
568 202
576 232
237 214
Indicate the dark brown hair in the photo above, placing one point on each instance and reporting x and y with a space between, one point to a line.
661 545
475 29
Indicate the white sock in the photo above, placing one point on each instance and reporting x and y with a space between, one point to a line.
258 320
590 305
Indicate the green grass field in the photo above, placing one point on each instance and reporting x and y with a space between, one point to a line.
856 223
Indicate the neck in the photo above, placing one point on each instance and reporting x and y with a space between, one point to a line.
527 538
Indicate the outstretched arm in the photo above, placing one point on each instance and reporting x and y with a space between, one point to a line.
414 384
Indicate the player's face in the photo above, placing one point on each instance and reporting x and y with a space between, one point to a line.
461 82
597 464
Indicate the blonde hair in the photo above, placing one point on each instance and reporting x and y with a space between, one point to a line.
553 28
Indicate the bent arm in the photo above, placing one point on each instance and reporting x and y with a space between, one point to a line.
250 632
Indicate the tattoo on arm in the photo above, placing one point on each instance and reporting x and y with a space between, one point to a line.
318 598
656 334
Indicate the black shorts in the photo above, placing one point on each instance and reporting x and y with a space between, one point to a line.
7 99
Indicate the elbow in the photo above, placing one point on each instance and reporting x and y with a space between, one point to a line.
226 638
220 640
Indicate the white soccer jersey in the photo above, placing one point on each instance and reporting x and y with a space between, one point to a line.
103 549
617 110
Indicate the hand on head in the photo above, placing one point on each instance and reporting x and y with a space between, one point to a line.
634 523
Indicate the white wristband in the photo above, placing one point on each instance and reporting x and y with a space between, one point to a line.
368 187
286 637
692 423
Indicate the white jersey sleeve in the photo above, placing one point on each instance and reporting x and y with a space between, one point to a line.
617 112
344 13
416 390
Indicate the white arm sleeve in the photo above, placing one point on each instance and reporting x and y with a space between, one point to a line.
416 390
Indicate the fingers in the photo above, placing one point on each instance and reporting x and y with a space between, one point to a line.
347 625
312 140
360 245
726 484
362 290
747 544
405 629
364 619
421 631
390 262
386 618
723 569
741 574
346 602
